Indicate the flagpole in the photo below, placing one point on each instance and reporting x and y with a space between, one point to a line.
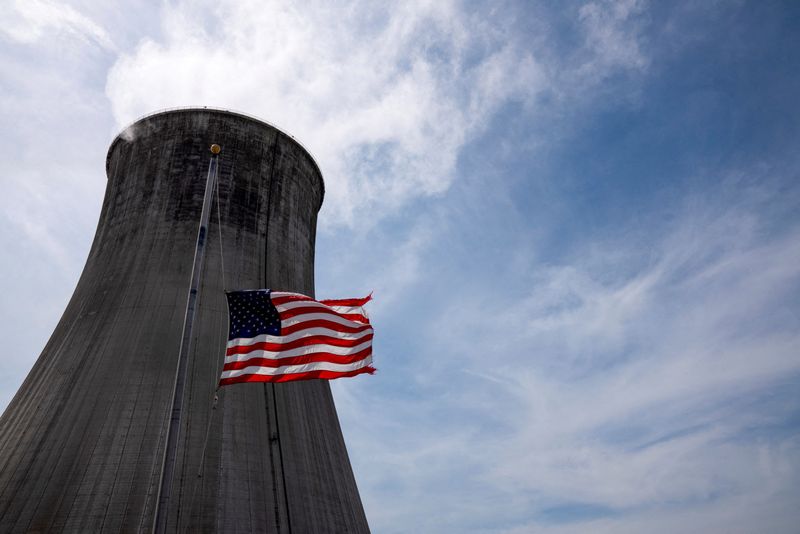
174 425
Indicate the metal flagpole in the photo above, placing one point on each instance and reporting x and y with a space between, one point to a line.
174 426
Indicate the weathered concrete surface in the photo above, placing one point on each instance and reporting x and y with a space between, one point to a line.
81 443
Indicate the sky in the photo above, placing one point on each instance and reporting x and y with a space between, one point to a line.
579 220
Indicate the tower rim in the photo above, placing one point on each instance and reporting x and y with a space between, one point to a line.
223 111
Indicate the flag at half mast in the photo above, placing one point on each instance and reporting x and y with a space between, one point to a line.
279 337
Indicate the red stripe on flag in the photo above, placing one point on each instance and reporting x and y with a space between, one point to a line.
327 375
299 360
347 302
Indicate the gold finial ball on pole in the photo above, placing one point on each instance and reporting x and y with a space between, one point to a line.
215 149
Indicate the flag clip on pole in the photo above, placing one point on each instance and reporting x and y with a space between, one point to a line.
174 425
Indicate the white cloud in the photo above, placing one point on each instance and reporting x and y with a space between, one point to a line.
29 21
55 125
612 32
384 98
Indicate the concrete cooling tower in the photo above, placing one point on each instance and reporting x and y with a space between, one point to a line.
82 442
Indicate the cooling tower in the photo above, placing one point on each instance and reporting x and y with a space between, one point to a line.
81 443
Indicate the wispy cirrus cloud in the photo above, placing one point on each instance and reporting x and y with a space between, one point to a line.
642 379
612 34
29 21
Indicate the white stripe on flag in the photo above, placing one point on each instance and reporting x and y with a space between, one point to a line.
359 310
332 317
300 351
317 331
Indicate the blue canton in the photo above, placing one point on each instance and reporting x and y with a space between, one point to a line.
252 314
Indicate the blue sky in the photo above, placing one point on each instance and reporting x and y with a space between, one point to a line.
580 221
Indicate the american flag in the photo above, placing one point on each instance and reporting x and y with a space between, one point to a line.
277 337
